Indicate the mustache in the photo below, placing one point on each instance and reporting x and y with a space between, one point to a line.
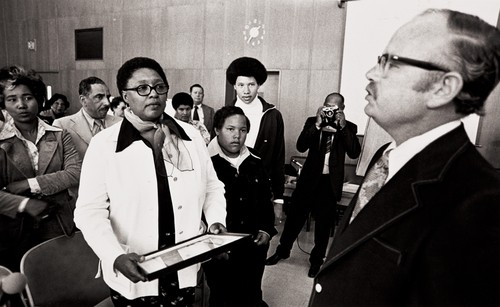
370 88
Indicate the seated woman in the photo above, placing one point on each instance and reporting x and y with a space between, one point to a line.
38 163
58 105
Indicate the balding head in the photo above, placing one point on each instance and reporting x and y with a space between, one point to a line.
334 99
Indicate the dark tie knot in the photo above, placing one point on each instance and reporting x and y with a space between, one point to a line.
196 116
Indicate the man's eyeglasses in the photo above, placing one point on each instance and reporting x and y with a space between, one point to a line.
384 59
145 89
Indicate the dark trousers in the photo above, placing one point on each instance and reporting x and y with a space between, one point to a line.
322 204
21 234
237 282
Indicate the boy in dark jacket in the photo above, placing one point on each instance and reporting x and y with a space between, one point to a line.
237 281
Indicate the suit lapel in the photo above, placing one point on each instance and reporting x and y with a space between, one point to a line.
19 157
47 149
81 127
206 115
399 197
394 201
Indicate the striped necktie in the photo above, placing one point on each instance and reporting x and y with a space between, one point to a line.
374 180
98 126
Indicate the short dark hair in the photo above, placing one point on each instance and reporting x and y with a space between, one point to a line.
17 75
195 85
182 98
225 112
58 96
85 86
129 67
115 102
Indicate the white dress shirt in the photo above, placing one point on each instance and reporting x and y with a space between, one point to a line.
201 115
401 154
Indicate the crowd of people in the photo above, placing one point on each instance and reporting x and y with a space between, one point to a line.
423 228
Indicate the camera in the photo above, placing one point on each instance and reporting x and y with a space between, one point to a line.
329 116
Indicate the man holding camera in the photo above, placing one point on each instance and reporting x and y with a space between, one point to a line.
328 136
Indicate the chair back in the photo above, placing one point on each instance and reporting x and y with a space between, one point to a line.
61 272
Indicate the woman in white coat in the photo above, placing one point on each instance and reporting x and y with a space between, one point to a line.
144 185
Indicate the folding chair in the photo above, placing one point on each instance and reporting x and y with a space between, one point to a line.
61 272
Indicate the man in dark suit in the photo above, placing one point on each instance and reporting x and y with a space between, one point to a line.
205 113
328 136
430 235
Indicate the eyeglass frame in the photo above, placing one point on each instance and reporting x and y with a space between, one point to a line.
412 62
151 88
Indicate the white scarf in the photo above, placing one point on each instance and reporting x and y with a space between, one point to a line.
173 149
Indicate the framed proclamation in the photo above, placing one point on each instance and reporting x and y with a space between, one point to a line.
189 252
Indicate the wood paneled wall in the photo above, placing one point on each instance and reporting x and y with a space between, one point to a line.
194 40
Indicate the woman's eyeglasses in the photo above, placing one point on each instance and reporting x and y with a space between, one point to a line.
145 89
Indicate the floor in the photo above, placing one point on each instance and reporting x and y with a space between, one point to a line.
286 284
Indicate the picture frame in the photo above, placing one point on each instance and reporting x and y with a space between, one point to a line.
186 253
